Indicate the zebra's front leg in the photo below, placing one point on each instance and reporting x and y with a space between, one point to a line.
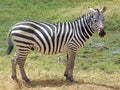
69 70
70 66
66 70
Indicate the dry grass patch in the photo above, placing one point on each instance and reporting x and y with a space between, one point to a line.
53 80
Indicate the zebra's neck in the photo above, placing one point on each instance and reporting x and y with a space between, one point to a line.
82 29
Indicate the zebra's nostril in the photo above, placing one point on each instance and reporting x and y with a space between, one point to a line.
102 33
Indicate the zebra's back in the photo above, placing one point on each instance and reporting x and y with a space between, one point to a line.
47 38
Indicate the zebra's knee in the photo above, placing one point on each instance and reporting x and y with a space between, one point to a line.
13 61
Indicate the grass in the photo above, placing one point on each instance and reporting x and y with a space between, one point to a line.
97 65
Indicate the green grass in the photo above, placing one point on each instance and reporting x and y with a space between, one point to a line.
97 63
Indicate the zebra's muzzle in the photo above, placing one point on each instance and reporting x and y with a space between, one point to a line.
102 33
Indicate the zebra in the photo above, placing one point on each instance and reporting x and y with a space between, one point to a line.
52 38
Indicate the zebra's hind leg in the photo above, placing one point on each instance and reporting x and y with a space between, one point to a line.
22 54
14 64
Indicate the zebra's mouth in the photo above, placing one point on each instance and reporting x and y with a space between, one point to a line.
102 33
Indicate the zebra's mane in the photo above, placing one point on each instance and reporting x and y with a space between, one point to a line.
81 16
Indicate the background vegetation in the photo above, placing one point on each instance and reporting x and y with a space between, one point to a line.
97 64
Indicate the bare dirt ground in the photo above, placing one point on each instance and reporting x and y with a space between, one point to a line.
53 84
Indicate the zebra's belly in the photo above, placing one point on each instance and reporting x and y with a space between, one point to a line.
49 51
50 45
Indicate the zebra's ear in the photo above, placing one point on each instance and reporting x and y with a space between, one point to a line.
91 9
103 9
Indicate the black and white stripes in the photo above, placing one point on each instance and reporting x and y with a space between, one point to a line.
44 37
50 38
53 38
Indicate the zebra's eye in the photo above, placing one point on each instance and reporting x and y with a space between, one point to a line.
96 27
103 20
95 20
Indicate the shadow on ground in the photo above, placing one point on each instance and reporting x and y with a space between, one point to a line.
60 83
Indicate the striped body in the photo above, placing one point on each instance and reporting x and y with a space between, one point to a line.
46 38
53 38
50 38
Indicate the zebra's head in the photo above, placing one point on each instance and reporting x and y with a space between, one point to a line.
96 20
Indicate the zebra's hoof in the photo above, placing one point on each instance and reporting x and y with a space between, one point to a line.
73 82
66 76
70 79
26 80
14 78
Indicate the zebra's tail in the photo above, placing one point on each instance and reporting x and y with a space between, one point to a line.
10 43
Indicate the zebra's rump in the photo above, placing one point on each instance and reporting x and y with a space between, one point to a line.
42 37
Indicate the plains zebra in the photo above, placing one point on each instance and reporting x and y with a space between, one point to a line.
53 38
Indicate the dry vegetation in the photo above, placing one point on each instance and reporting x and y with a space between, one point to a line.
54 81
